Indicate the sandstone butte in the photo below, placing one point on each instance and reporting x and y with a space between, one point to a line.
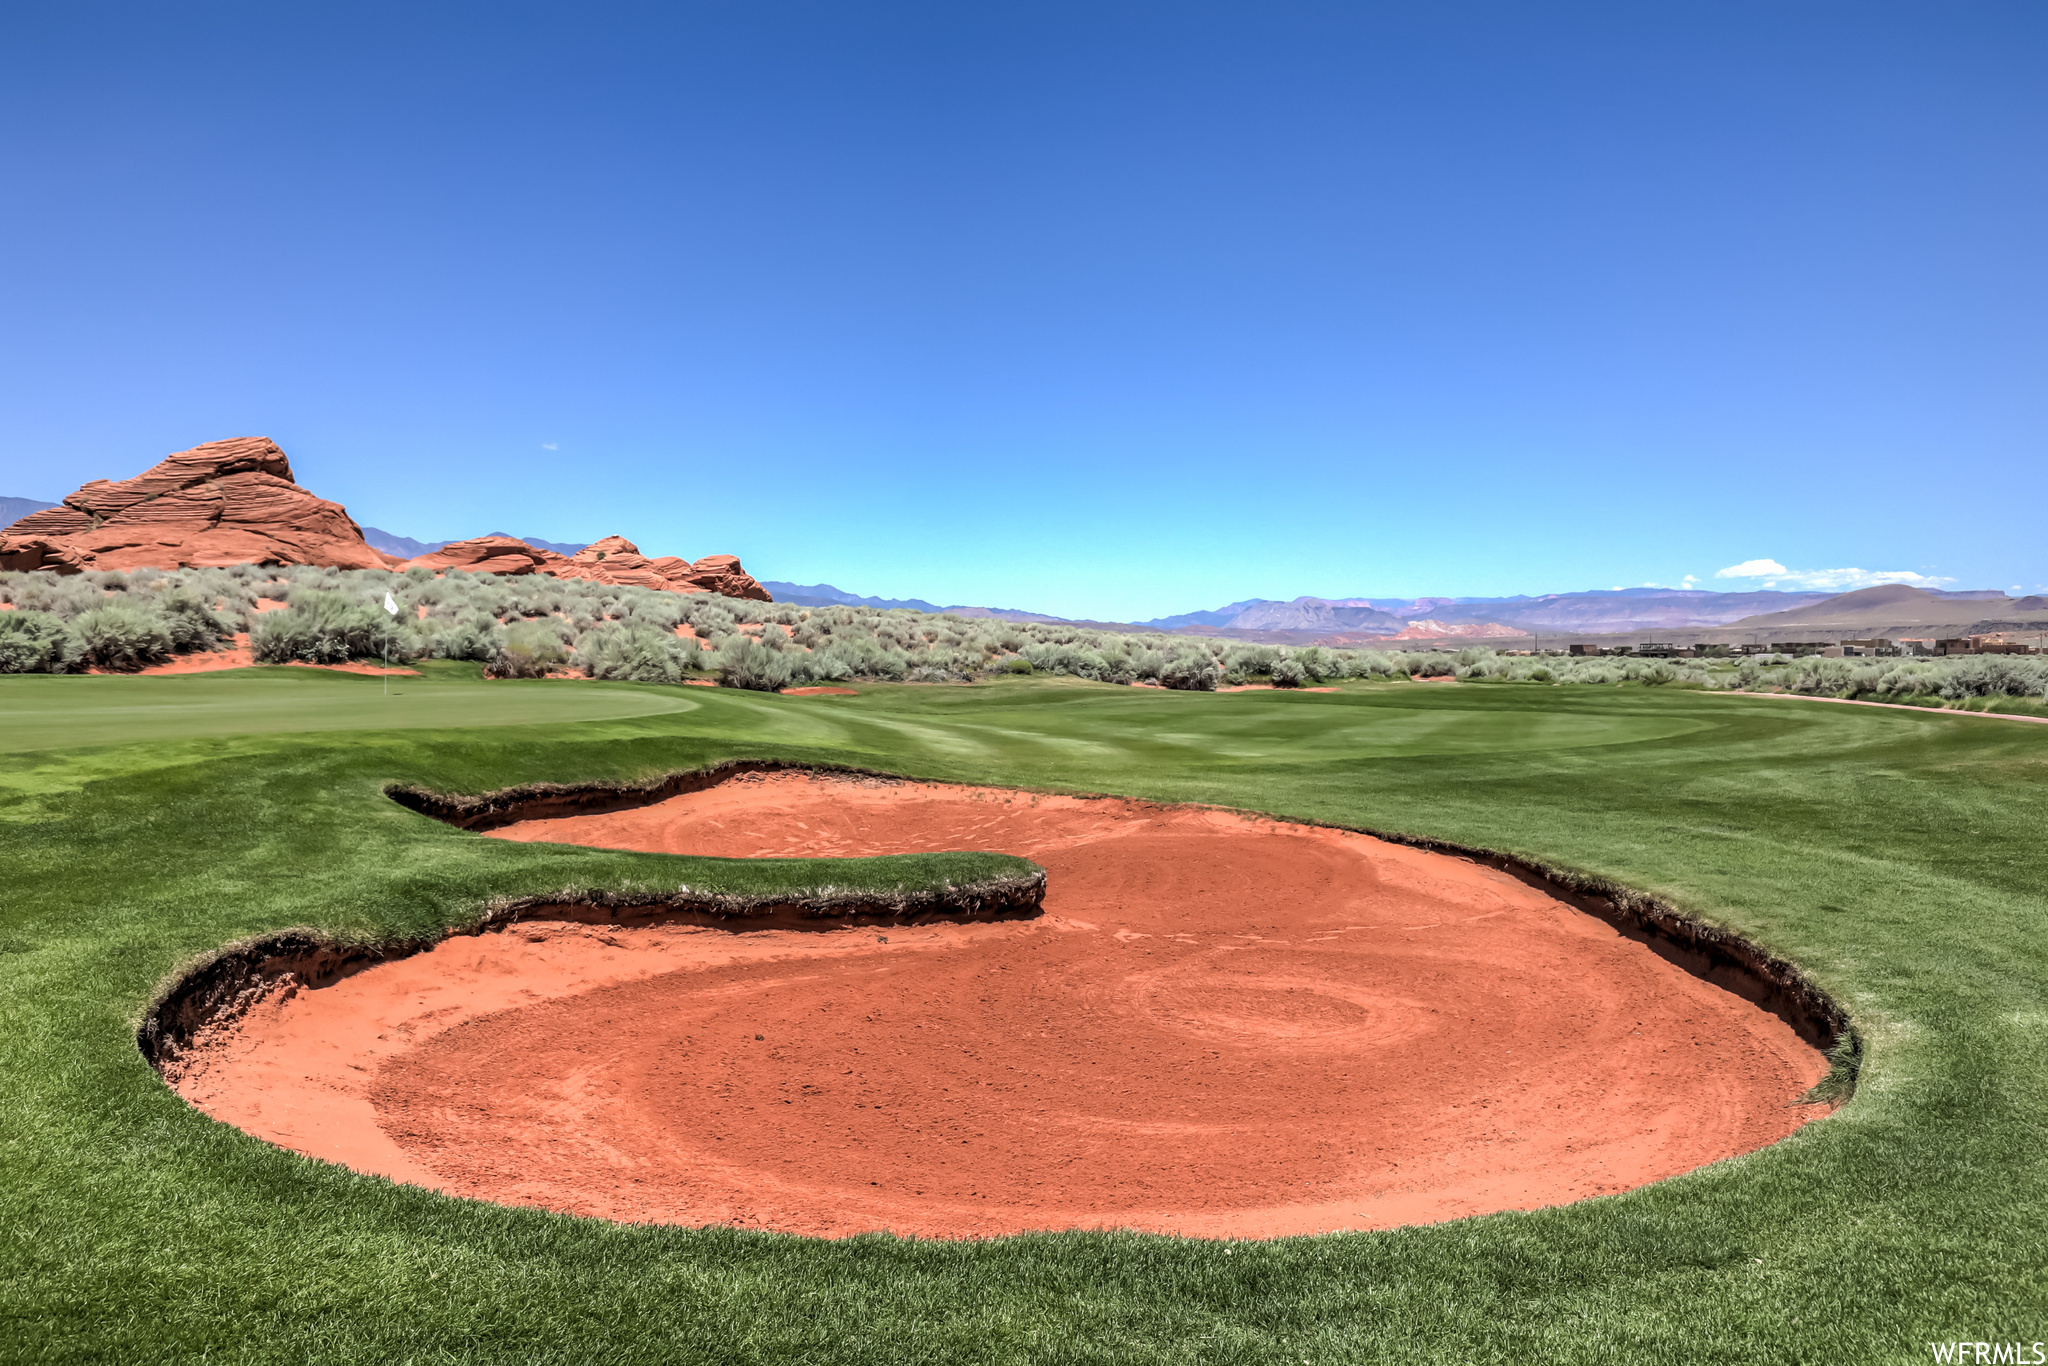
235 502
613 560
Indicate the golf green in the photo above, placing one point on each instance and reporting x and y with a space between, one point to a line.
1896 856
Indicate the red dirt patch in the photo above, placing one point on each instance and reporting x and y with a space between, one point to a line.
239 656
819 692
1266 687
1221 1026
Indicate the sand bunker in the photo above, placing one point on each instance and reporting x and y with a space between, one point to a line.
1220 1026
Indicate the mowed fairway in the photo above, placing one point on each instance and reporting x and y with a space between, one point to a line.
1897 856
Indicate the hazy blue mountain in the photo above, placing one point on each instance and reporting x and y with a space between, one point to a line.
13 510
1317 614
1620 609
1222 616
825 595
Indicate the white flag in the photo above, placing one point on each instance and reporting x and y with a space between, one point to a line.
390 603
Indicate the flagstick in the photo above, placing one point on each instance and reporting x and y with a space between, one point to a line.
391 606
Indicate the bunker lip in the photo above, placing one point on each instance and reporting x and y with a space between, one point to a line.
673 1074
222 986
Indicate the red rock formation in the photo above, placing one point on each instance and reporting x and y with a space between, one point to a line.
617 560
42 552
490 555
722 574
234 502
226 502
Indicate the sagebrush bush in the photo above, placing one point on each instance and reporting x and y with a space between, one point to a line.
529 650
636 654
193 624
476 636
744 662
1191 673
321 627
37 643
118 636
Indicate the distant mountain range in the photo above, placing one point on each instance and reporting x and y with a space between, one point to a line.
14 509
825 595
1621 609
411 549
1895 606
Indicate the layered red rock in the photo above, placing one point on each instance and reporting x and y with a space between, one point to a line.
490 555
617 560
235 502
221 503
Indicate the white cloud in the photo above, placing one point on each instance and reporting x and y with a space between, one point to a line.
550 446
1830 580
1751 569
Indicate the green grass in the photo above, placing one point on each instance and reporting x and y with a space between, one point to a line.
1898 856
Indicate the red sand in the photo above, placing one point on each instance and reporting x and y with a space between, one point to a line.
819 692
1221 1026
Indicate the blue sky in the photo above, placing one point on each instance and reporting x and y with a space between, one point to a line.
1105 310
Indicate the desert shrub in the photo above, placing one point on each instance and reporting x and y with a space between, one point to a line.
744 662
528 650
1190 672
925 673
1020 665
1288 673
475 635
37 643
326 628
1065 658
1242 663
118 636
64 596
635 654
192 623
1539 674
830 663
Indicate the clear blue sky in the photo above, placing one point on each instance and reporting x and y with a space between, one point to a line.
1106 310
